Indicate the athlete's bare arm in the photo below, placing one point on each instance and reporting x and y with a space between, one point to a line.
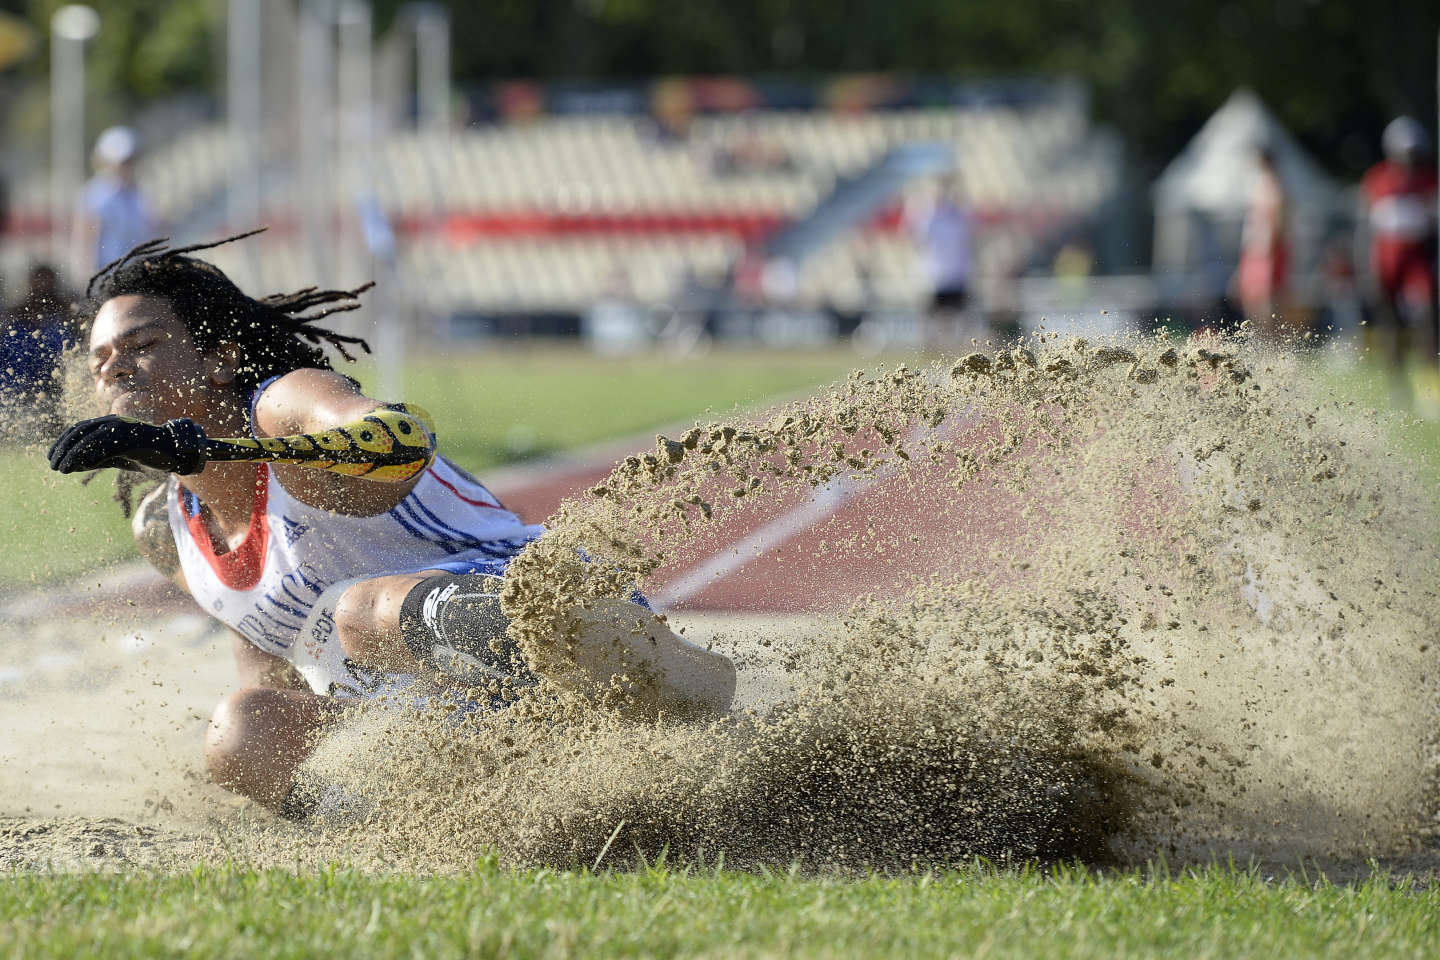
260 669
310 401
151 527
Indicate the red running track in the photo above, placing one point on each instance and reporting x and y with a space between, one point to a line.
813 550
816 550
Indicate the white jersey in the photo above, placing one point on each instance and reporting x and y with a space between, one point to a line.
944 233
270 587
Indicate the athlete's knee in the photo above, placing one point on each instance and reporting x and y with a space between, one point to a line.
258 737
367 617
230 741
355 615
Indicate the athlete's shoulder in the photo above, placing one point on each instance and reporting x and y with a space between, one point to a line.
289 403
307 383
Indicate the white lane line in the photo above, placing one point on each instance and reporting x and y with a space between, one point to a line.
719 565
826 501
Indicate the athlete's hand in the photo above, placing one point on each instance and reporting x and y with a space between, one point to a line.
176 446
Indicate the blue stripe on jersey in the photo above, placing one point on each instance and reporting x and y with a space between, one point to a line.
292 627
418 534
302 613
313 585
438 537
259 635
442 527
307 604
495 568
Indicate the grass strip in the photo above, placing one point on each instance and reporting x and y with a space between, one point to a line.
497 911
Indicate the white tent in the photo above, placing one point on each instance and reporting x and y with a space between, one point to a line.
1201 198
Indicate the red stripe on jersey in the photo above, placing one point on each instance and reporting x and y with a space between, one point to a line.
451 487
239 569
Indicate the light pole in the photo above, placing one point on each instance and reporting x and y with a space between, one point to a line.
70 28
417 64
316 50
419 48
354 107
431 24
244 112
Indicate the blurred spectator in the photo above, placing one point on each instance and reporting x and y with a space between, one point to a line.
690 329
36 332
1003 317
942 231
672 110
113 216
752 155
1263 274
1074 263
1398 226
616 322
1343 312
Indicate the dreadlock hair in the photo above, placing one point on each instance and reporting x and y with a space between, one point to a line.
274 334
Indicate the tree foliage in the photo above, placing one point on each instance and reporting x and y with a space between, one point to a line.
147 49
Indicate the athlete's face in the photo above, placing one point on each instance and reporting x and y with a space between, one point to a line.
145 365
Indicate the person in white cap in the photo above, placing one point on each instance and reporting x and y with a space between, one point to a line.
1398 220
943 233
113 216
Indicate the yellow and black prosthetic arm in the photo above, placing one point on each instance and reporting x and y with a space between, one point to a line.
392 444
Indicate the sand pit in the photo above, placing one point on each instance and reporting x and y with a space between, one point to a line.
104 715
1098 600
102 719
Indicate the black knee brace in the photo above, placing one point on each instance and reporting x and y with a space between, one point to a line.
454 623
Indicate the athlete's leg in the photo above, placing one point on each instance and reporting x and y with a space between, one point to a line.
258 737
367 621
616 638
393 622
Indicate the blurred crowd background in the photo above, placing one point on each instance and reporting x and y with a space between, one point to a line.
631 174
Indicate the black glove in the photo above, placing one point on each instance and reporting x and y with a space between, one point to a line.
176 446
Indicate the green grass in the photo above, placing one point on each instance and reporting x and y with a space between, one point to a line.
491 408
1368 384
495 911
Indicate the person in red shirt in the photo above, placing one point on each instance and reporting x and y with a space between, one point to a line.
1263 274
1398 198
